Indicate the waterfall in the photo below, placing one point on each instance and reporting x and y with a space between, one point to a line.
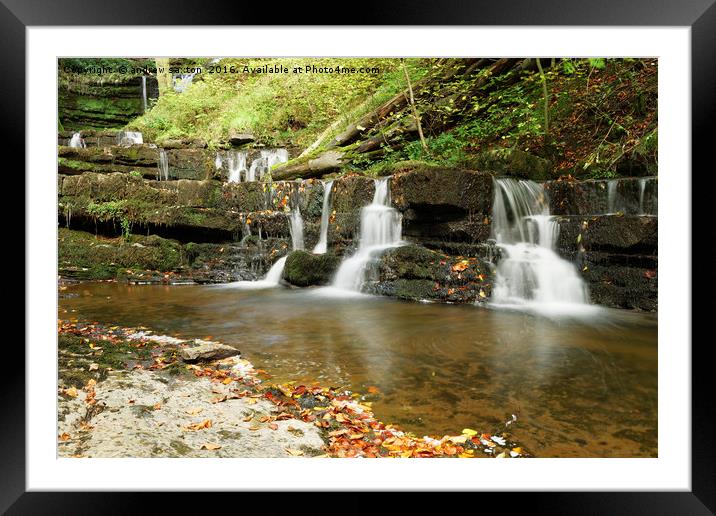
77 141
296 228
531 274
262 165
380 229
183 81
144 92
322 244
129 138
163 166
612 196
237 166
273 276
218 162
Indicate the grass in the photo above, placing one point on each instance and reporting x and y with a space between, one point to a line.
286 109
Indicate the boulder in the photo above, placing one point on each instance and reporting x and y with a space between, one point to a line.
632 196
205 351
415 273
629 234
304 269
447 204
238 139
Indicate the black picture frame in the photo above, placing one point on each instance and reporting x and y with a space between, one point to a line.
699 15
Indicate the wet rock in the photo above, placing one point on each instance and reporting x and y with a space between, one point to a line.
632 196
415 273
350 193
304 269
449 204
238 139
613 233
442 194
514 163
205 351
184 143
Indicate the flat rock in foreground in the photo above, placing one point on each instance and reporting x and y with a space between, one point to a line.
142 414
204 351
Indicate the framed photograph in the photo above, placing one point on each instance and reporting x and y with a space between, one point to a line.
257 255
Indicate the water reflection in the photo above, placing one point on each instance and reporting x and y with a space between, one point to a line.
579 387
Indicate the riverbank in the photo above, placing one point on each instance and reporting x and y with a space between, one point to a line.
129 392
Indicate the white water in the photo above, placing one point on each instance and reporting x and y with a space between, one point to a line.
262 165
129 138
322 244
380 229
273 276
612 196
183 81
77 141
144 92
163 166
531 275
296 228
218 162
237 166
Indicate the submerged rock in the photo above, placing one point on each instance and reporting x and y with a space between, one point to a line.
304 269
204 351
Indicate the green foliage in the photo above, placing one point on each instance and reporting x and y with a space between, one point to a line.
278 109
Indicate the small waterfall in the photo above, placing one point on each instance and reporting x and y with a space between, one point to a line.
127 138
183 81
380 229
273 276
77 141
163 166
612 195
144 92
296 228
237 166
262 165
218 162
322 244
531 274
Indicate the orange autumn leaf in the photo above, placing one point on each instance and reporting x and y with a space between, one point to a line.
210 446
64 436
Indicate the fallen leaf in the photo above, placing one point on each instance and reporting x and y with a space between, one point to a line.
210 446
200 426
64 436
194 411
295 453
469 432
273 426
71 392
93 367
373 389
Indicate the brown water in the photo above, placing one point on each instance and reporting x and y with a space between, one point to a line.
578 388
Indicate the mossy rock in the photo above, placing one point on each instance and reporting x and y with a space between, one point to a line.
304 269
514 163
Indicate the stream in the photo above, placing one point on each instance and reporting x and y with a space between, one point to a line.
582 387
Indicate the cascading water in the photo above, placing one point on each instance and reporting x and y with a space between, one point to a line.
163 166
273 276
144 92
322 244
237 166
183 81
530 273
129 138
218 162
380 229
296 228
262 165
77 141
612 196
